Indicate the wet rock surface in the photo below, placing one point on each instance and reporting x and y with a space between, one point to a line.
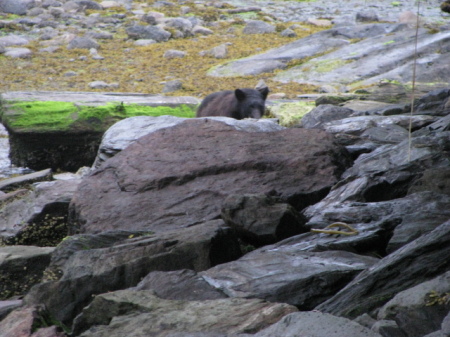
216 227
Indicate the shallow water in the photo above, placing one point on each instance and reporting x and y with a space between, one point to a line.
6 169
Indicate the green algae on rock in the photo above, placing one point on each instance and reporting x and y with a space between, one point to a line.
59 116
62 130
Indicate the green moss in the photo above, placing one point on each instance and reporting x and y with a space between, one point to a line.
291 113
324 66
51 115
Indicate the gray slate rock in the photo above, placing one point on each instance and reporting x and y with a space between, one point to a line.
324 113
416 311
7 306
26 214
435 102
261 219
389 157
22 267
16 182
406 218
182 284
373 59
287 274
315 324
419 261
434 179
279 57
140 313
86 265
371 239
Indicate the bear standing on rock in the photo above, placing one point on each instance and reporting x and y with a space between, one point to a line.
238 104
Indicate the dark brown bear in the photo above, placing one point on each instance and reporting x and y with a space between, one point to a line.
239 104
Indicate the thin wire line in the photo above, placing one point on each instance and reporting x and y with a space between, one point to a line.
413 82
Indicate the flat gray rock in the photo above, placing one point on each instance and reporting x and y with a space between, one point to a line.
315 324
421 309
287 274
140 313
36 207
419 261
86 265
22 267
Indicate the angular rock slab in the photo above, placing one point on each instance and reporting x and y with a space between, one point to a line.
421 309
35 210
417 262
21 267
315 324
140 313
85 265
183 284
178 177
260 219
406 218
288 274
28 322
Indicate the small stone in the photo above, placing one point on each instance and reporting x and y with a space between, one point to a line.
200 30
98 85
23 53
13 40
408 17
82 43
170 54
220 52
367 17
150 19
258 27
144 42
172 86
288 33
319 22
110 4
70 74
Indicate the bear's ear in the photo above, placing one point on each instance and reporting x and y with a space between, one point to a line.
264 91
240 95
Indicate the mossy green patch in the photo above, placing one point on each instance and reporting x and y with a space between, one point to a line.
60 116
290 113
324 66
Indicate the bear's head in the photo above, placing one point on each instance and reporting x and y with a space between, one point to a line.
251 102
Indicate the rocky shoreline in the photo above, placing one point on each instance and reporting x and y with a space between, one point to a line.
333 221
161 239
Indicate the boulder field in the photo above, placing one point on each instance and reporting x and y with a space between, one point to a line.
336 226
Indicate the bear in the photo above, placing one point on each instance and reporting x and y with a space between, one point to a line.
238 104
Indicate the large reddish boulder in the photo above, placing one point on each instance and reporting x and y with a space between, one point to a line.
180 176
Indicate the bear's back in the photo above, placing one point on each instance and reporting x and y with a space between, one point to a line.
221 103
